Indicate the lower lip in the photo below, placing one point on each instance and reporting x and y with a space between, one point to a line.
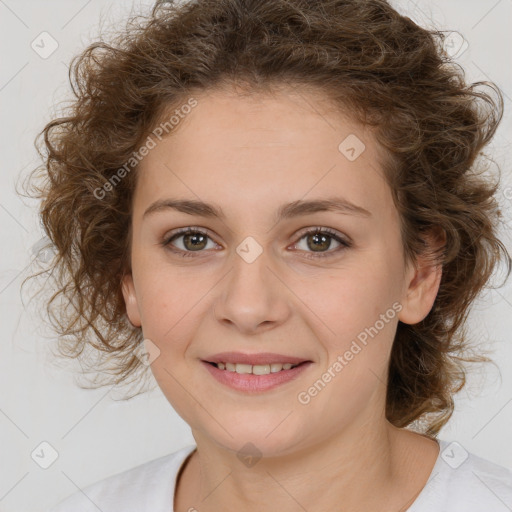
254 383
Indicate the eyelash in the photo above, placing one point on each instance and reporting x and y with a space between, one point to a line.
345 244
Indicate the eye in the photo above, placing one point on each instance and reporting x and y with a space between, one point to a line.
320 238
194 240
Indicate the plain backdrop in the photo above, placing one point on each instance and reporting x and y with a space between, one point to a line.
93 433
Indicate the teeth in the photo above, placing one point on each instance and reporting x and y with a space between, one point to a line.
258 369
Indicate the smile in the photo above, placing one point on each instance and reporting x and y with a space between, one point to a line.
255 378
258 369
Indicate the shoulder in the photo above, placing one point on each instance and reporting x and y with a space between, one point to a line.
482 482
149 486
462 481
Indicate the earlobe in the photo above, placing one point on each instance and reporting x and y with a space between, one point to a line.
422 289
130 300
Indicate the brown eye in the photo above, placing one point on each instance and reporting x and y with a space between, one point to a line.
319 240
192 240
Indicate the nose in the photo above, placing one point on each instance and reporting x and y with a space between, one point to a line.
253 298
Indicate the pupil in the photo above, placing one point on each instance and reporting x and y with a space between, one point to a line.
323 240
194 237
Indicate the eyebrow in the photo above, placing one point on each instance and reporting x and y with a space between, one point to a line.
287 211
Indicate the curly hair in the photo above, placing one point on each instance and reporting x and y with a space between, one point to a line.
373 63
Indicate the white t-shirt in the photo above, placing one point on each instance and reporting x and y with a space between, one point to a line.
459 482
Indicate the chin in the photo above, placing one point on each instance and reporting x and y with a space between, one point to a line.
247 440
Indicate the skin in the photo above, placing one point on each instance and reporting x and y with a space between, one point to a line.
250 155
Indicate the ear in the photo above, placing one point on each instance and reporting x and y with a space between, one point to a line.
422 282
130 300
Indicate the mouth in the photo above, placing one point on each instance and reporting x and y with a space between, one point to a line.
254 372
258 369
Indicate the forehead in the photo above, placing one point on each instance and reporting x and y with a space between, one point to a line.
262 148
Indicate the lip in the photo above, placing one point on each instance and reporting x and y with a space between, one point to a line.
253 359
256 383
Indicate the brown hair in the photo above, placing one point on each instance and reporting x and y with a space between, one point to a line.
371 61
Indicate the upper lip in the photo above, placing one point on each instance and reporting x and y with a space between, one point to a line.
253 359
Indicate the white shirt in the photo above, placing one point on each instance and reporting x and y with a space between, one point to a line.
458 482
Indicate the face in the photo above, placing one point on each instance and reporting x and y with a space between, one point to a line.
325 286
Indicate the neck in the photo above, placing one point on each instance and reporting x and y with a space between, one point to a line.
334 474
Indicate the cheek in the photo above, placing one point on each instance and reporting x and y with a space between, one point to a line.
348 303
166 301
355 318
171 314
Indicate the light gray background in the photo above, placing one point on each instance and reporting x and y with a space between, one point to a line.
94 435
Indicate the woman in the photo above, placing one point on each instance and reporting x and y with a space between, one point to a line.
275 205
